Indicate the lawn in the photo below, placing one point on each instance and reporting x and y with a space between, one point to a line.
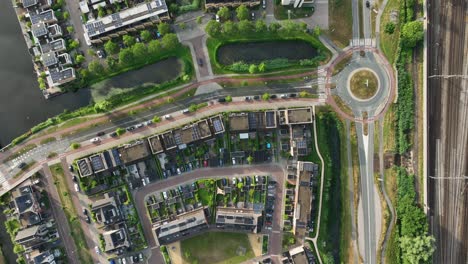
199 249
341 21
70 211
364 84
281 12
389 42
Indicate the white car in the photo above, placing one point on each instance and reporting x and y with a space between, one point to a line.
233 181
98 251
185 111
284 96
217 18
95 140
138 126
167 117
77 187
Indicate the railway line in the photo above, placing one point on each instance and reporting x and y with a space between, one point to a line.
448 128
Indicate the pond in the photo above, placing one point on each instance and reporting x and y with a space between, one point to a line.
255 52
22 104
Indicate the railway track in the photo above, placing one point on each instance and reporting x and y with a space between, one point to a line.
448 129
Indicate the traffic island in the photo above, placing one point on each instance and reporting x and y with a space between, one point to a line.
363 84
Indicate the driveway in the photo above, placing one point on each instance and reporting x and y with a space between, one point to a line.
73 7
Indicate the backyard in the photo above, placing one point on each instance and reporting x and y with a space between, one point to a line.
230 248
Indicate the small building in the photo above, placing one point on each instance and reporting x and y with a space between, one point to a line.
84 7
37 257
59 76
27 206
106 210
53 46
98 162
237 219
115 239
184 225
32 237
46 16
303 199
54 31
84 168
49 59
168 140
155 144
192 133
270 119
39 30
296 116
217 123
134 152
29 3
238 122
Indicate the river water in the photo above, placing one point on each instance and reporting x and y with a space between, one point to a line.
22 104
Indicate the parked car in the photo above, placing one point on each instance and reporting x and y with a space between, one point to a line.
248 98
234 181
167 117
138 126
74 179
233 161
88 219
95 140
217 18
253 16
222 100
71 168
77 187
273 96
85 211
367 4
147 123
185 111
101 54
98 251
22 165
264 4
284 96
130 128
113 134
257 97
292 95
200 62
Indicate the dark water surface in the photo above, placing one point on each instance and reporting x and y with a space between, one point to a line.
255 52
22 104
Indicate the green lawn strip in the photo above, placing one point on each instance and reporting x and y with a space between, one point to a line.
71 213
21 151
341 21
48 140
361 19
333 239
199 249
265 244
281 11
389 42
213 44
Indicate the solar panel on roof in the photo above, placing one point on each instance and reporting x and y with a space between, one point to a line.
217 125
116 155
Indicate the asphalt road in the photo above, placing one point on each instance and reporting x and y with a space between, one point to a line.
274 170
447 102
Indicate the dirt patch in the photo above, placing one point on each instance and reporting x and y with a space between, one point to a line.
175 253
256 243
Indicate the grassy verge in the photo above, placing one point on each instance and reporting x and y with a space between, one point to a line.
342 105
389 143
342 64
389 42
341 21
48 140
199 249
70 211
281 12
361 20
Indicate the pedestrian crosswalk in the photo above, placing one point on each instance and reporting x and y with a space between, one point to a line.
367 42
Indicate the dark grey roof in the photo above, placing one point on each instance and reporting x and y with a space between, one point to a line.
84 168
24 202
45 16
39 259
49 59
56 45
218 125
28 3
97 163
39 29
270 119
59 76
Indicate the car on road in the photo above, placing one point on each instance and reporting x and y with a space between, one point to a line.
273 96
367 4
257 97
74 178
222 100
138 126
77 187
248 98
98 251
185 111
167 117
200 62
95 140
100 134
284 96
113 134
130 128
147 123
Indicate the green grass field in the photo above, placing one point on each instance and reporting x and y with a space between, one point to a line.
216 248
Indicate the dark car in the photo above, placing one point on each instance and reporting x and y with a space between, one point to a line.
200 62
257 97
248 180
99 134
222 100
88 219
273 96
71 168
85 212
74 178
292 95
22 165
130 128
367 4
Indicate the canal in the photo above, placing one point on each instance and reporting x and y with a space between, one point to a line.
255 52
22 104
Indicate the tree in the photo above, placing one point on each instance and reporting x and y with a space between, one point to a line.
273 27
412 33
303 94
154 47
101 11
186 78
242 12
417 249
199 19
228 98
111 47
79 59
317 31
170 41
240 185
128 40
224 13
245 26
70 29
389 28
156 119
120 131
145 35
164 28
96 67
192 108
126 56
66 15
260 26
262 67
250 159
102 106
266 96
253 68
112 62
229 28
140 51
213 28
73 44
290 27
75 145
